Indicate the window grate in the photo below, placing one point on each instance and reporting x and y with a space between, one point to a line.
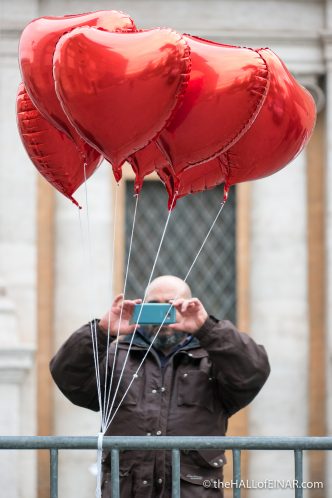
213 278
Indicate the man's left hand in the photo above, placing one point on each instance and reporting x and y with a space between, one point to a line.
191 315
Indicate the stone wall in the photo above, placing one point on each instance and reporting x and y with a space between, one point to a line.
299 31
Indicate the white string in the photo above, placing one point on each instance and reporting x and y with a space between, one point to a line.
90 315
121 311
204 241
99 466
93 327
139 315
109 316
135 375
93 330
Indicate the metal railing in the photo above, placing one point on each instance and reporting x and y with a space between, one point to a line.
175 444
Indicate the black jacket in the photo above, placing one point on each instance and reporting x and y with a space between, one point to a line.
216 374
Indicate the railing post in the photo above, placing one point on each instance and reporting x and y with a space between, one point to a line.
115 468
236 473
298 457
53 473
175 473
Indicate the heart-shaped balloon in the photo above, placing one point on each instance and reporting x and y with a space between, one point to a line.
36 49
55 156
225 93
120 89
281 130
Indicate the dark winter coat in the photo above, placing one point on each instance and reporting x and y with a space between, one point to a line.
204 382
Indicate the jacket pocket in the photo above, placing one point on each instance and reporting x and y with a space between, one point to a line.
213 459
195 388
195 474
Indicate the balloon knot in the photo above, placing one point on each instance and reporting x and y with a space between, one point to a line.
74 201
226 192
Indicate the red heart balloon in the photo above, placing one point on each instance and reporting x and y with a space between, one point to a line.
55 155
281 130
36 49
119 90
226 91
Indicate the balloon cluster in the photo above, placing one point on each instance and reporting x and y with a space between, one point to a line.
199 113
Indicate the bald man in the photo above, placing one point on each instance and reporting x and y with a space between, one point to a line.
198 373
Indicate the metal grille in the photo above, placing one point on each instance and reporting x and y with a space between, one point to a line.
213 278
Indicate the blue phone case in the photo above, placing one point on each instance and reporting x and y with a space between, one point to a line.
154 314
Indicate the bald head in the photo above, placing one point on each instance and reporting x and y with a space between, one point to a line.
167 287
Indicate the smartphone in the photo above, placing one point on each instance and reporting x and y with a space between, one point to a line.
154 314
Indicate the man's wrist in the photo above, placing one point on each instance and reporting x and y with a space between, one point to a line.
104 326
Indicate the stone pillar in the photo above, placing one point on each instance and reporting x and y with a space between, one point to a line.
327 38
17 256
15 364
279 316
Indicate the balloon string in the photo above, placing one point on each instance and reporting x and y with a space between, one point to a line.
204 241
99 462
135 375
90 314
115 210
93 326
121 312
139 315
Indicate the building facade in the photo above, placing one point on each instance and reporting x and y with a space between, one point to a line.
283 252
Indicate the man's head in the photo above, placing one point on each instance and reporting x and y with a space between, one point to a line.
162 290
167 287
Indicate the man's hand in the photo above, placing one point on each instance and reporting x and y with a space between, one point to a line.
112 320
191 315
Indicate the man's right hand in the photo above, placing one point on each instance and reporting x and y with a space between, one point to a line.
117 321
